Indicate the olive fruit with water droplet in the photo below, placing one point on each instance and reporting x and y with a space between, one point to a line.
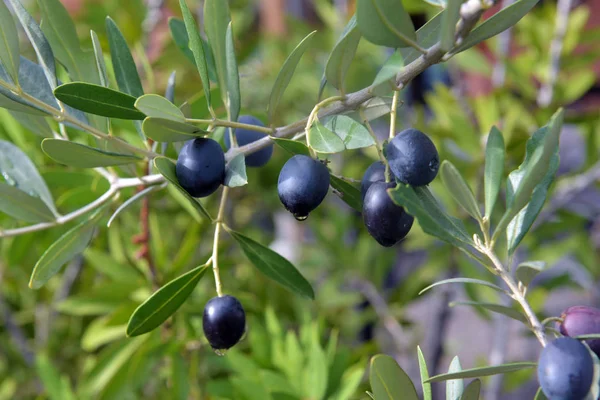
375 173
224 322
565 370
413 158
200 167
386 221
303 184
582 320
246 136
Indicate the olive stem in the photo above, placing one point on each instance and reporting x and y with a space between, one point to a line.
215 253
534 322
230 124
393 114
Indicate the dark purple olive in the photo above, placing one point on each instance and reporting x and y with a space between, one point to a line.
582 320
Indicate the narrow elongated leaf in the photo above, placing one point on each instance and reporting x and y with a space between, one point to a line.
60 31
385 78
170 90
233 77
55 385
34 123
463 280
82 156
62 251
273 265
494 169
323 140
38 41
385 22
125 69
98 100
459 189
342 54
285 74
427 36
166 130
449 20
9 43
195 45
497 308
354 135
424 375
539 160
18 170
420 203
484 371
33 82
99 57
235 172
132 200
497 23
163 303
522 222
22 206
472 391
157 106
348 192
216 21
292 146
454 387
528 270
180 37
388 381
167 169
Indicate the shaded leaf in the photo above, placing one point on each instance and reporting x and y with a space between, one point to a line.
424 375
454 387
459 189
195 45
82 156
34 123
354 135
285 74
167 169
348 192
164 302
72 243
463 280
9 43
388 381
497 308
22 206
484 371
233 77
216 21
18 170
372 109
494 169
540 395
109 267
322 140
420 203
497 23
385 78
449 20
528 270
342 54
180 37
166 130
385 22
157 106
235 172
132 200
427 36
292 146
472 391
125 69
170 90
273 265
98 100
38 41
57 387
99 57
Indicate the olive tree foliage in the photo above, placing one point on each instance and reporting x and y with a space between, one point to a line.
81 119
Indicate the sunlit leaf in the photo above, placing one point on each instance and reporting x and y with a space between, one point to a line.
166 130
459 189
528 270
454 387
9 43
388 381
157 106
385 22
494 169
354 135
463 280
484 371
342 54
235 172
125 69
323 140
22 206
292 146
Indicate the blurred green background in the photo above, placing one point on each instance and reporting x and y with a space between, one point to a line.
67 340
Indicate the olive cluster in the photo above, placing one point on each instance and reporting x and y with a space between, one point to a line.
302 186
566 367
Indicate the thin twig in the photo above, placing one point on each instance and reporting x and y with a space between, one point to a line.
215 255
546 92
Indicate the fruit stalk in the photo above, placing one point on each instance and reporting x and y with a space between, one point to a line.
215 255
